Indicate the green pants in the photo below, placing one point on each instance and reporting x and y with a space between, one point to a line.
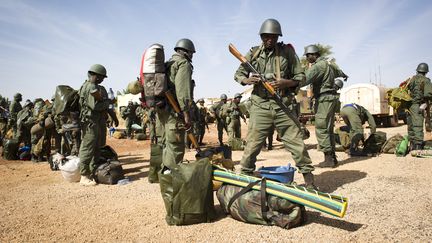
415 124
325 109
220 123
90 149
260 124
234 128
354 122
173 139
129 123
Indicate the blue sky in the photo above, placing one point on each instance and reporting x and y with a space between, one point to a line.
45 43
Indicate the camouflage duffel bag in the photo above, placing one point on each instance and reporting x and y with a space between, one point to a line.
256 207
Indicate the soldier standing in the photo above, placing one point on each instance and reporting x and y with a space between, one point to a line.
130 117
143 119
215 110
179 72
92 108
233 117
273 59
355 116
202 121
24 123
4 115
321 75
14 108
420 90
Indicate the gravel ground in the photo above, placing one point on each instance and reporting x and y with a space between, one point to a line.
389 200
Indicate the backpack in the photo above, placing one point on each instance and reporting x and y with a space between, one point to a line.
66 100
399 97
256 207
389 147
107 153
153 77
187 192
374 143
109 173
10 149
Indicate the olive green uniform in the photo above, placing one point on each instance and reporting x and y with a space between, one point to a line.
142 116
418 86
24 123
14 108
355 116
321 76
233 120
201 122
91 115
130 118
265 112
220 122
179 71
4 114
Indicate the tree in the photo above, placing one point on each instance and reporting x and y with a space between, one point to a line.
325 51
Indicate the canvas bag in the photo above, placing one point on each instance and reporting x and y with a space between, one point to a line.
389 147
187 192
399 97
155 162
66 99
109 173
153 77
256 207
375 142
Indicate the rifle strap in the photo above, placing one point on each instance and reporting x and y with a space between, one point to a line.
277 68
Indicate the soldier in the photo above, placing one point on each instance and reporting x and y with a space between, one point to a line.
273 59
355 116
4 115
215 111
321 75
37 140
109 114
14 108
24 123
233 117
202 121
421 93
143 119
130 118
93 106
179 72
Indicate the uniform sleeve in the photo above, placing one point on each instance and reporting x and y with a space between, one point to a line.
296 69
242 72
183 87
415 88
314 74
95 105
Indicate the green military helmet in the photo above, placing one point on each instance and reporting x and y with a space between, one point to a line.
98 69
17 95
271 26
311 49
185 44
237 95
423 68
223 97
339 83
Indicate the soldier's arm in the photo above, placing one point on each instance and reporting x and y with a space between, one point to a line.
242 73
314 73
371 121
296 69
183 85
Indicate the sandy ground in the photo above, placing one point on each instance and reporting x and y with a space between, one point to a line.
390 200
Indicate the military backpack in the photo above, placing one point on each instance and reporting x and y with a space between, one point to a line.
374 143
399 97
389 147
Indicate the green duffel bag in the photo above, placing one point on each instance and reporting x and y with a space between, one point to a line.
374 143
257 207
155 162
237 144
188 193
389 147
10 149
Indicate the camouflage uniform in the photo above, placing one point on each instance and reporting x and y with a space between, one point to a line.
91 116
4 115
130 118
233 119
24 123
201 122
220 122
14 108
418 86
179 71
355 116
265 112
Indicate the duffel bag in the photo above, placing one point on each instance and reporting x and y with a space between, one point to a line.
109 173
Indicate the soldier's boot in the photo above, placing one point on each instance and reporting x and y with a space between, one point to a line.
34 158
270 145
330 159
309 181
87 181
220 142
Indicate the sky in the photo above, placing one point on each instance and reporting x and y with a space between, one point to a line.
46 43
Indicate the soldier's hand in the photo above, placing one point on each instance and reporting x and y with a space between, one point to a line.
282 83
253 79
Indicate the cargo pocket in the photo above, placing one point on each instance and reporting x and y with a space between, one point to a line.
175 134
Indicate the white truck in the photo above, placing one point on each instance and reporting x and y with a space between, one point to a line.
373 98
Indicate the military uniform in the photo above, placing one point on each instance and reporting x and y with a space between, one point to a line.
265 112
91 115
418 86
4 115
142 115
179 71
220 122
25 121
233 119
130 118
201 122
14 108
355 116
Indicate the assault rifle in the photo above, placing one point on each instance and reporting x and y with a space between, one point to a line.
174 105
264 83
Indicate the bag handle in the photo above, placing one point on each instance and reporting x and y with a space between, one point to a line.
264 208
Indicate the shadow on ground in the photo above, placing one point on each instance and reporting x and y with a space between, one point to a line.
318 218
329 181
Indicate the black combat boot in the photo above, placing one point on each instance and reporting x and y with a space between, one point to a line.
330 159
309 181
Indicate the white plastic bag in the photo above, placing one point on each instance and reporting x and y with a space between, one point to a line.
70 169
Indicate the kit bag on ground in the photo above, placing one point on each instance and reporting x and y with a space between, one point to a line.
210 152
237 144
389 147
109 173
10 149
374 143
70 169
155 162
152 76
187 192
107 153
257 207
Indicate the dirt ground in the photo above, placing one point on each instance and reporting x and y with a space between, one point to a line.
389 200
